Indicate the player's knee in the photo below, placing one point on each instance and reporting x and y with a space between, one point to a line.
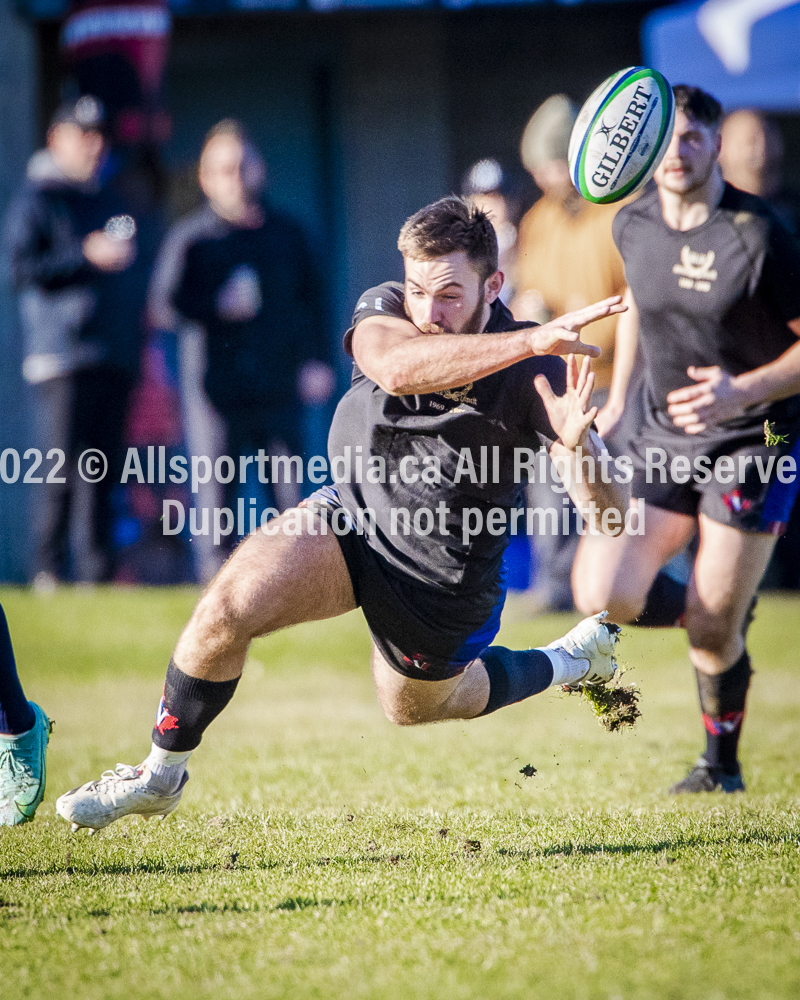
222 614
592 597
624 608
587 594
711 631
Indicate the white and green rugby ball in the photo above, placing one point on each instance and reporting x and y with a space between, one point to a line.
621 134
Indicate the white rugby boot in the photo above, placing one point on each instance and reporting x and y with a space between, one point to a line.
586 653
126 791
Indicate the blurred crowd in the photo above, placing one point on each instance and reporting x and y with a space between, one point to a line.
172 339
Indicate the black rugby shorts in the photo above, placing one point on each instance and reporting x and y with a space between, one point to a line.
746 493
420 632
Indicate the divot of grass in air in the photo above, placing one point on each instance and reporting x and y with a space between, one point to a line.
616 705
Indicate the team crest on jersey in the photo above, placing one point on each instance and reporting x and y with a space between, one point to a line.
696 270
460 395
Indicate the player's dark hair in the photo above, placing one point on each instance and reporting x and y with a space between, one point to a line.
451 225
697 104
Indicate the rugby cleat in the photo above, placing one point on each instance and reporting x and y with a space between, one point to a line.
23 771
704 778
587 652
126 791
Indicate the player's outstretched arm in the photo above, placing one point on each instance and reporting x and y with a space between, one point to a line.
717 395
402 360
625 345
571 417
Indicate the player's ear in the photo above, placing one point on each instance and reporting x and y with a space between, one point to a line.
493 286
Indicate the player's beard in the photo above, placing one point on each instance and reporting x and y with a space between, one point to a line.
475 322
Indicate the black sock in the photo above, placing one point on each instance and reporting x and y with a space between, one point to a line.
666 602
515 674
722 701
16 715
188 707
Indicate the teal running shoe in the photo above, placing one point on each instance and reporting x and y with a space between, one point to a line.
23 771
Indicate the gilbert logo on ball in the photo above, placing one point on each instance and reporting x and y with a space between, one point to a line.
621 134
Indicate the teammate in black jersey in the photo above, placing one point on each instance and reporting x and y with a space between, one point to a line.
714 300
443 378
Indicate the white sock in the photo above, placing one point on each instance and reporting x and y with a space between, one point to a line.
565 669
167 768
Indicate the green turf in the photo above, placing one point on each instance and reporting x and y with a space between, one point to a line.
320 852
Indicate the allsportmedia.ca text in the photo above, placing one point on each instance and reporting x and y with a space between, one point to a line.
482 465
473 465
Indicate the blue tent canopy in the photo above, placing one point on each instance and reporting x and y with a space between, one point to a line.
745 52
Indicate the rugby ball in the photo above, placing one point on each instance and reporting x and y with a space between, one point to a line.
621 134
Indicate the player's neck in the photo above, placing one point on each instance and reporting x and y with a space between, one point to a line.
690 209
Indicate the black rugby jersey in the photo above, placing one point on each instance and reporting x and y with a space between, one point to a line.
502 411
718 294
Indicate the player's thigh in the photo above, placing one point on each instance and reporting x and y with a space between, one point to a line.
294 572
615 573
728 569
409 701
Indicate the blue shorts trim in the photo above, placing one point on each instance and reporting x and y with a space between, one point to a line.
482 637
780 499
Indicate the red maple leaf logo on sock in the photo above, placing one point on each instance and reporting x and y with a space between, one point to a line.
164 720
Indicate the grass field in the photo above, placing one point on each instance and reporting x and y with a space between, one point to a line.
321 853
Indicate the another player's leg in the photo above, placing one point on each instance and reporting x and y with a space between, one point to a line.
24 734
618 572
498 677
728 569
269 583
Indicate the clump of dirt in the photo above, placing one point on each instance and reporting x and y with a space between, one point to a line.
616 705
529 770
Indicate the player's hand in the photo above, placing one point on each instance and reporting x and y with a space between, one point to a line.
714 398
562 335
570 414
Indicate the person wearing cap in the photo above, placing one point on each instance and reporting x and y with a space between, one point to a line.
492 190
69 242
566 258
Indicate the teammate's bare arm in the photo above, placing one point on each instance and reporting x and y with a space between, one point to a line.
403 360
571 417
627 341
718 396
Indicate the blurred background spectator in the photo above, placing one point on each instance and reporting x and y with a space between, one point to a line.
566 257
752 160
566 260
495 191
241 273
70 241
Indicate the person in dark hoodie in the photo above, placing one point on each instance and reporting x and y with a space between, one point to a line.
72 248
237 279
